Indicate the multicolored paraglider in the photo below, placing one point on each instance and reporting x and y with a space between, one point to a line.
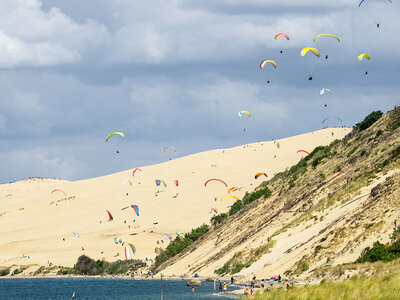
324 90
212 209
233 189
230 196
260 174
76 235
326 34
313 50
158 182
117 240
136 209
277 143
129 249
240 113
114 133
215 179
172 148
282 34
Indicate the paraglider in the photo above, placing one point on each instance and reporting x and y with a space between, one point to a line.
134 171
240 113
361 56
179 233
282 34
324 90
310 77
331 118
359 5
158 182
172 148
277 143
176 182
326 56
215 179
136 209
313 50
129 249
230 196
326 34
168 237
260 174
110 216
59 191
233 189
117 240
264 62
114 133
303 151
76 235
212 209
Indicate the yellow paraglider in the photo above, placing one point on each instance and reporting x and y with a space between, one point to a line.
264 62
117 132
313 50
326 34
366 55
231 196
240 113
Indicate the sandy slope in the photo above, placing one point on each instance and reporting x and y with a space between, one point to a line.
33 222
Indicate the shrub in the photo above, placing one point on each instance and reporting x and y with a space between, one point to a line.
179 244
235 207
369 120
218 219
4 271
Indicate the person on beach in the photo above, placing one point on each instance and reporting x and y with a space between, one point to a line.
246 290
220 287
193 290
225 287
262 283
279 279
286 280
271 283
232 280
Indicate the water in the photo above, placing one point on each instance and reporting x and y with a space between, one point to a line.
102 288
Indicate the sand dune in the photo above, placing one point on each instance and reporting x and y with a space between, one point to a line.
33 222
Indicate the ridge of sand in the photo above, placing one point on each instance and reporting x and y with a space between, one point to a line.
33 222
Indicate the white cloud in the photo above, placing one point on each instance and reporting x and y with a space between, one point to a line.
31 37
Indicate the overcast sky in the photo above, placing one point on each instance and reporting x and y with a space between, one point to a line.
175 73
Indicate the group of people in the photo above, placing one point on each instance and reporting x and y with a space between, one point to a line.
281 283
222 287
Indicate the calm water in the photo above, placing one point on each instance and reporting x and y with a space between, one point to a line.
102 288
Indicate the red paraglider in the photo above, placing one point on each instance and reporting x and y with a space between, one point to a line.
215 179
59 191
134 171
110 216
303 151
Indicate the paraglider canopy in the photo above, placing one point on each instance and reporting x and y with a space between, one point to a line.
240 113
326 34
114 133
136 209
215 179
283 34
361 56
264 62
303 151
313 50
110 216
260 174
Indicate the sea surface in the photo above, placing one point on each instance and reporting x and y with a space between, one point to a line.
103 288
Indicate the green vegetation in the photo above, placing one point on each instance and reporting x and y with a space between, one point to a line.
218 219
244 259
179 244
375 287
4 271
87 266
369 120
381 252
